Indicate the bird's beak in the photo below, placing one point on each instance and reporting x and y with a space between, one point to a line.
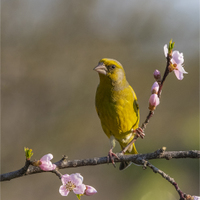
101 68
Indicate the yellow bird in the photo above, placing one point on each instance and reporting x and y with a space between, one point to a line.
116 105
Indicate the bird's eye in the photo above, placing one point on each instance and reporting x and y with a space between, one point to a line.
113 66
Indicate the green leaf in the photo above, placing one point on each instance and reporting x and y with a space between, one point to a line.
28 153
78 196
171 46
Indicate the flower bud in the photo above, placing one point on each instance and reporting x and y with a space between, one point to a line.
90 190
157 75
46 164
153 102
155 88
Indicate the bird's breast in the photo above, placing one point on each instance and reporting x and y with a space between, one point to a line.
116 113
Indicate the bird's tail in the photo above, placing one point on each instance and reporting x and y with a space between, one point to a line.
131 150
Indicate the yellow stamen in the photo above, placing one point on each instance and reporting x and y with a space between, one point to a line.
172 67
70 186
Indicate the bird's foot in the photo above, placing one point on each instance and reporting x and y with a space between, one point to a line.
139 132
111 155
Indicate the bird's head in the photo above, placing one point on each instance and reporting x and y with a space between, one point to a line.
110 70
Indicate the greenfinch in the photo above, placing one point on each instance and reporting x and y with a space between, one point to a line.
117 107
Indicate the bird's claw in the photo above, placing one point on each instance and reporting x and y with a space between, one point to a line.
111 155
140 132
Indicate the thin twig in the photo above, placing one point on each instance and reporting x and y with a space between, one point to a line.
144 125
167 177
166 73
147 120
135 158
15 174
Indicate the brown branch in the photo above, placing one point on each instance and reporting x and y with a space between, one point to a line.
168 178
64 163
169 56
145 123
140 159
15 174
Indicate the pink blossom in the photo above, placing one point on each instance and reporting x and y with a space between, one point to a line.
155 88
177 62
46 164
177 58
73 182
90 190
153 101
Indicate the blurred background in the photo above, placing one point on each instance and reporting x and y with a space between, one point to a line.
49 50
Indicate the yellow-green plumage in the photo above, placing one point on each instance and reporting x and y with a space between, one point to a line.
116 104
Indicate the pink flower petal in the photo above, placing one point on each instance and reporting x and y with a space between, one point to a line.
181 69
179 75
154 100
179 72
77 179
90 190
155 87
65 178
47 157
44 166
80 189
63 191
177 58
47 166
54 166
